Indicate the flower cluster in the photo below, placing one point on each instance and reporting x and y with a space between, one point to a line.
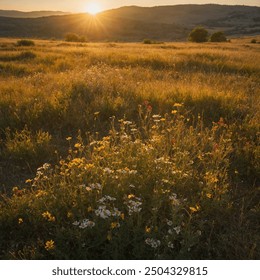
86 223
133 204
154 243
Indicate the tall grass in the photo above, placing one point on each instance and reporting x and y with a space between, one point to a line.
161 159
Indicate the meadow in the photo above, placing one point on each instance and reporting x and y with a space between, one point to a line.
129 151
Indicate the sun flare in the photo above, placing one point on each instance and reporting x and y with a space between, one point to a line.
93 8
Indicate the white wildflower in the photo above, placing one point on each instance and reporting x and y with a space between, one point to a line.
154 243
177 229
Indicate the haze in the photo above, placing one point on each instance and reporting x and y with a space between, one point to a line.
81 5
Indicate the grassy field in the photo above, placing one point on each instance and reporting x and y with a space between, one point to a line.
129 151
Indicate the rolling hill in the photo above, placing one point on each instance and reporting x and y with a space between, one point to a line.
34 14
167 23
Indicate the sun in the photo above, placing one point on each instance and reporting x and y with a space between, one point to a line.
93 8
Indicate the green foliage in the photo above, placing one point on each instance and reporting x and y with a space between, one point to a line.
198 35
72 37
25 146
25 43
218 37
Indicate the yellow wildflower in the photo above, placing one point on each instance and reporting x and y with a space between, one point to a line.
177 105
20 221
68 138
114 225
195 209
28 181
90 209
209 195
48 216
174 112
77 145
122 216
49 245
147 229
69 215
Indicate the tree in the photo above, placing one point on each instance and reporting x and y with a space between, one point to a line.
218 37
72 37
198 35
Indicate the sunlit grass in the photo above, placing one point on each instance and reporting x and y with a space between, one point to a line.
167 134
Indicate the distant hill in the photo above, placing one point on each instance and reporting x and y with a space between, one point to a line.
163 23
35 14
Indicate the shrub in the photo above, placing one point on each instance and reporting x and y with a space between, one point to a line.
25 43
147 41
72 37
253 41
198 35
218 37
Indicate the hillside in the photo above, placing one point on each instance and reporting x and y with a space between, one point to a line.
34 14
168 23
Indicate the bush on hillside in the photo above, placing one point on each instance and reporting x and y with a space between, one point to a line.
218 37
198 35
25 43
72 37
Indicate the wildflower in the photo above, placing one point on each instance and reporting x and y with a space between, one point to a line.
76 223
86 223
48 216
174 200
122 216
156 116
169 223
147 229
174 112
20 221
103 212
209 195
89 209
28 181
170 245
154 243
77 145
40 193
177 229
177 105
107 170
49 245
114 225
68 138
106 198
195 209
134 204
69 215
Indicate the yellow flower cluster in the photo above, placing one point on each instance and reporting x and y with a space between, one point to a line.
48 216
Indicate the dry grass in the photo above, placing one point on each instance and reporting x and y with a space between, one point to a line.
50 91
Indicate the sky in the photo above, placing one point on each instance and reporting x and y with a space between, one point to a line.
82 5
